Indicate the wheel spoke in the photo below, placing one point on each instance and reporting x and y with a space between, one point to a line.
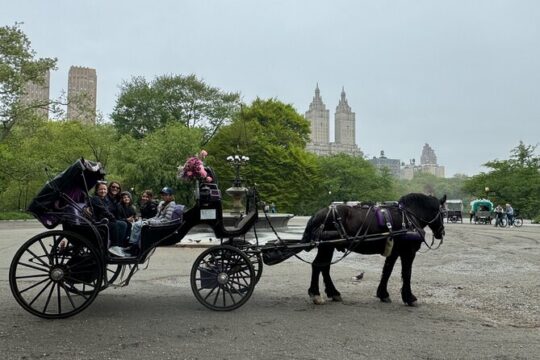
77 281
231 295
49 298
209 293
34 267
46 253
38 258
69 296
217 295
59 298
33 286
41 292
82 261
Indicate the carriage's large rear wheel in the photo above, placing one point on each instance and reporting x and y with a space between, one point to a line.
222 278
56 274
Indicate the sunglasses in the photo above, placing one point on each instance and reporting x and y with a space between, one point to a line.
115 187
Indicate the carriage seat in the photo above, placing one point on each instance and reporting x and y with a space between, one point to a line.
150 234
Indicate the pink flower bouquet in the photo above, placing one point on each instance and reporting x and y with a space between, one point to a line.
193 169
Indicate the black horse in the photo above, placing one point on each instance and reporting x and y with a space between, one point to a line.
372 230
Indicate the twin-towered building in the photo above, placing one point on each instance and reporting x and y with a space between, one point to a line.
345 127
345 133
81 96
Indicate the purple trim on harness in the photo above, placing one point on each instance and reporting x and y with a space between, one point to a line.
380 217
383 220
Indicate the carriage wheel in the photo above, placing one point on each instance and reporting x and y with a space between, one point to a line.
518 222
222 278
253 255
56 274
256 260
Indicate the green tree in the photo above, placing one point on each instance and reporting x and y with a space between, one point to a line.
25 156
515 180
143 106
430 184
18 66
348 178
273 135
152 162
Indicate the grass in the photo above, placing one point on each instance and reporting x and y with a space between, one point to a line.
15 215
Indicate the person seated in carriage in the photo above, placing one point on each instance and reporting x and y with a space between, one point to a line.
147 205
101 209
164 216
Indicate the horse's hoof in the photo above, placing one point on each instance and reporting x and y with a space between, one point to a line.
317 300
337 298
412 303
386 300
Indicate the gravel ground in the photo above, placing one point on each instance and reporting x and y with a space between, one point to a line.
478 299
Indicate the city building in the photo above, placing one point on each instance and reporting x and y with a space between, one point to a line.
345 127
37 96
393 165
428 164
82 92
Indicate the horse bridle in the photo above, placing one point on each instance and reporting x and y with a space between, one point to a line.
438 215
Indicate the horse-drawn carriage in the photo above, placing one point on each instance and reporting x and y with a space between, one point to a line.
454 211
58 273
481 211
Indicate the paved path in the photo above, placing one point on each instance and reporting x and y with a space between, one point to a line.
479 299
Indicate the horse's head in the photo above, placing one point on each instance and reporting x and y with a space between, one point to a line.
427 211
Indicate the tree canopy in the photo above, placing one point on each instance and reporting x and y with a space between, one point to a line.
515 181
143 107
18 66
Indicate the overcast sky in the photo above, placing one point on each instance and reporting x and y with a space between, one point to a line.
460 75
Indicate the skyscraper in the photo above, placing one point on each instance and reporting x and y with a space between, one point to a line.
318 117
82 92
37 96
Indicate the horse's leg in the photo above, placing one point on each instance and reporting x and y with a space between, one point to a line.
316 268
407 258
382 290
329 287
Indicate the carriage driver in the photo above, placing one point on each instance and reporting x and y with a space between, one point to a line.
164 215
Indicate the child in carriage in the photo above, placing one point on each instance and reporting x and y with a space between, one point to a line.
148 206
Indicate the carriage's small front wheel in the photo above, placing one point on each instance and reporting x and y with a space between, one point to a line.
518 222
252 253
222 278
56 274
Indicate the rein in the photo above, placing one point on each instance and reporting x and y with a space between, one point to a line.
438 215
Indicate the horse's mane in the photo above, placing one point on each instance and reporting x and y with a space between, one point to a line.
416 197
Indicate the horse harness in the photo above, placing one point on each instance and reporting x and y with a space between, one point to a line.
381 213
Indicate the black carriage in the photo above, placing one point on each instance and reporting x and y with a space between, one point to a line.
58 273
454 211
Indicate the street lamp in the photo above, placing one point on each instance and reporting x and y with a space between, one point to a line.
237 191
237 162
486 189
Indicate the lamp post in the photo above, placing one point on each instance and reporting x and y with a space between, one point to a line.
486 189
237 191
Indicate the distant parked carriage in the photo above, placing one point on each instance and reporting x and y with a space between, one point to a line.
454 211
482 211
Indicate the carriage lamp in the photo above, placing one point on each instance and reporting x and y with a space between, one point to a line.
237 191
